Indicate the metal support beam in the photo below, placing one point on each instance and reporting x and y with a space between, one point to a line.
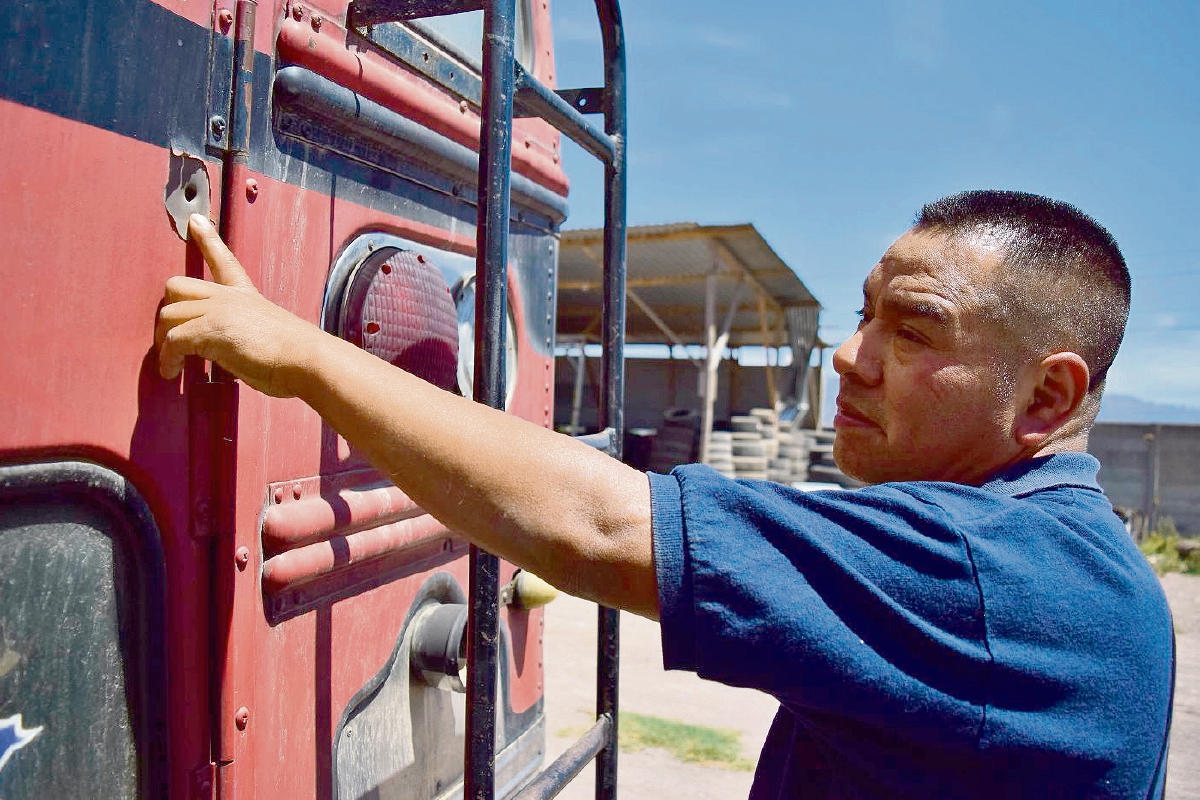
658 322
712 360
772 394
737 266
491 269
577 393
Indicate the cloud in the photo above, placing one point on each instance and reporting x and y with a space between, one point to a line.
752 98
918 31
1159 366
722 38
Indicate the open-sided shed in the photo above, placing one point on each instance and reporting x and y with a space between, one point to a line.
714 286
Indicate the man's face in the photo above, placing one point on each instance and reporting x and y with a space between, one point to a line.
926 393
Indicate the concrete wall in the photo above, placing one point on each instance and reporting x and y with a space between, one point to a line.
1134 458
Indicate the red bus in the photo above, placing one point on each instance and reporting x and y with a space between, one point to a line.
205 592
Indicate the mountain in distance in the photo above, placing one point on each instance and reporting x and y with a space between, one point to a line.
1125 408
1114 408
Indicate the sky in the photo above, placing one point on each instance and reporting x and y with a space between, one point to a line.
828 125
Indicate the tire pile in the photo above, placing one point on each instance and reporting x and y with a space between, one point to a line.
677 440
759 448
822 468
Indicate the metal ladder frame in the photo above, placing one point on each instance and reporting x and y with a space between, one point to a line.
507 86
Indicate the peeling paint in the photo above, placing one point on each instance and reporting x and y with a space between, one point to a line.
187 190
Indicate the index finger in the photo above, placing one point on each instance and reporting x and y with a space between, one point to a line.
225 267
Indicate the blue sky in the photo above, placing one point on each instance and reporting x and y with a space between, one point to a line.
828 125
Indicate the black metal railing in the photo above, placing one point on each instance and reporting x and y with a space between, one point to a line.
508 87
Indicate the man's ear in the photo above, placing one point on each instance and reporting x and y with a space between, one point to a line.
1057 388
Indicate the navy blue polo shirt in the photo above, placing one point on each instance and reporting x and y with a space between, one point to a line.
924 639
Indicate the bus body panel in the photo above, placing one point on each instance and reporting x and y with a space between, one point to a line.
96 101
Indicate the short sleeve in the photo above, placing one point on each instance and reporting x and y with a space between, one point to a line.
864 603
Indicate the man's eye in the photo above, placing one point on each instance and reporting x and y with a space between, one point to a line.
909 335
864 316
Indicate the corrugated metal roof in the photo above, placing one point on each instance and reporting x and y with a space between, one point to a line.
668 267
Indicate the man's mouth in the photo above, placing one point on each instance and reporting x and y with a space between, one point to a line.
850 417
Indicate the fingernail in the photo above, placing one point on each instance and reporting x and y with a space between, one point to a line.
200 221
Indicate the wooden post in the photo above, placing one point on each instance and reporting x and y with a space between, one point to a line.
772 395
711 362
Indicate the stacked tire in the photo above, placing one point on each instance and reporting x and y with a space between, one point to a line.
676 441
822 468
749 448
720 453
792 461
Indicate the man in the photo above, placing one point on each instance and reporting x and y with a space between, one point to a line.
976 623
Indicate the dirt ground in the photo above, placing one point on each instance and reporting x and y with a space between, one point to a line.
647 689
1183 768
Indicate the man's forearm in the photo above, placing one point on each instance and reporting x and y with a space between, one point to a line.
575 516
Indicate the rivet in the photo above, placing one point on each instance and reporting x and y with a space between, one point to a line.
251 189
462 106
242 557
420 259
217 126
279 495
297 490
242 718
297 13
225 19
316 21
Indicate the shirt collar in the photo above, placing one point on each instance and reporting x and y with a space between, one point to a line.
1060 470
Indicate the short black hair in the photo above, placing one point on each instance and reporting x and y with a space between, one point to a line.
1063 269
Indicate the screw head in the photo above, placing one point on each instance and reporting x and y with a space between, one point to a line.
242 557
316 21
217 126
251 189
297 491
242 718
297 13
225 19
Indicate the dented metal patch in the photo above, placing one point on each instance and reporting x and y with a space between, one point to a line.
187 190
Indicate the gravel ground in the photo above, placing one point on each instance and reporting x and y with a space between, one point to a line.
646 688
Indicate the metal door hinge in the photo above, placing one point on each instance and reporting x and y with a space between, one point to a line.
220 90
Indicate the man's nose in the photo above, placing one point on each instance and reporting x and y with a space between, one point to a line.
854 359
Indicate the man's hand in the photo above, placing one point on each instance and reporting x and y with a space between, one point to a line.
229 322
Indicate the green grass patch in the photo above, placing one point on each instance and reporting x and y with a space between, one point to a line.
1161 549
696 744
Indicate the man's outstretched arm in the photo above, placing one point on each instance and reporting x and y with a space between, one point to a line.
569 513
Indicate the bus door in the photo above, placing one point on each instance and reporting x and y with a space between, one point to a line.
359 192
